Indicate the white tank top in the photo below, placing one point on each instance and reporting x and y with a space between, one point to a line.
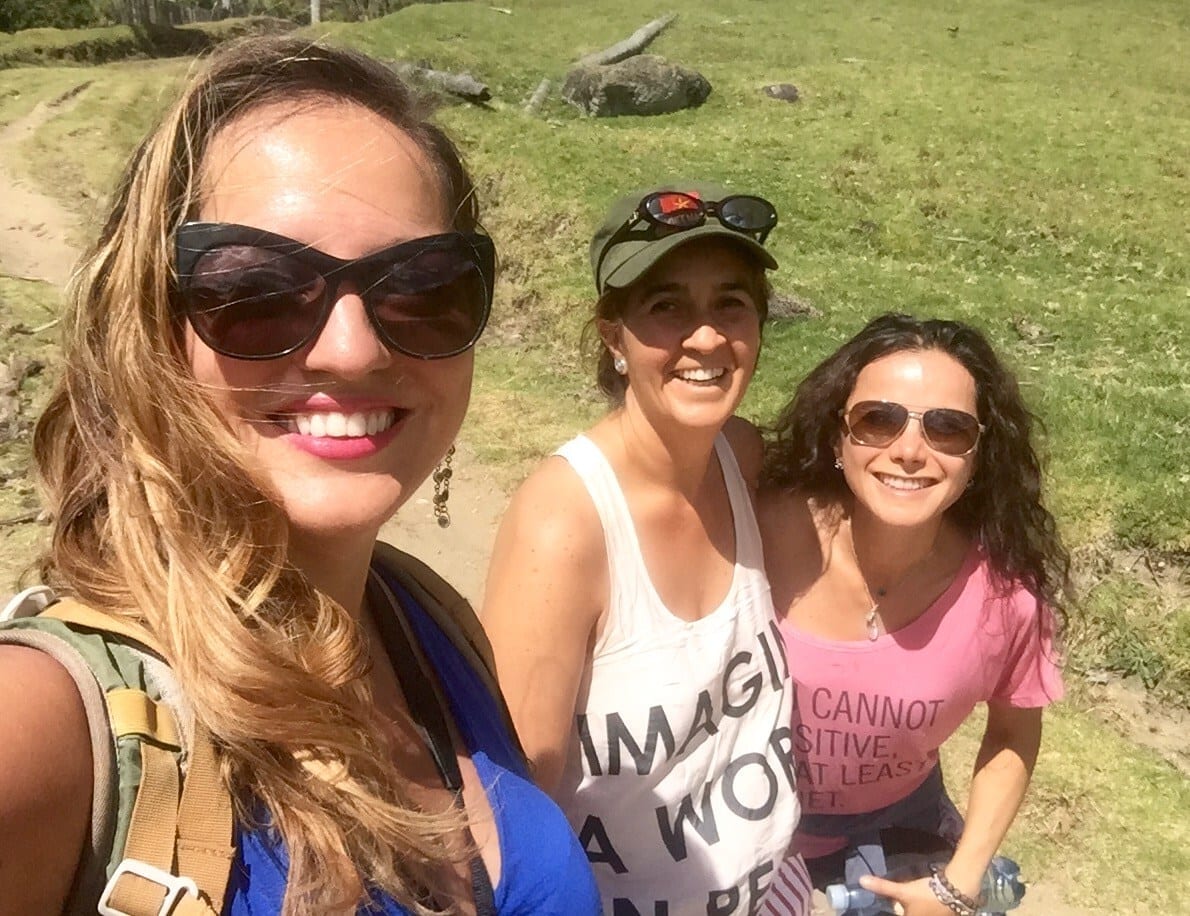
679 778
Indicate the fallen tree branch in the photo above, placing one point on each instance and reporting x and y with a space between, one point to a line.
538 97
464 85
633 44
40 328
24 518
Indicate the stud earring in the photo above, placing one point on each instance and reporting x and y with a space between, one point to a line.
442 475
620 364
839 464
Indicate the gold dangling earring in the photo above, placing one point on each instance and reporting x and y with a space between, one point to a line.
442 475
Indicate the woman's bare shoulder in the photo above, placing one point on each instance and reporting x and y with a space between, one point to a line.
796 532
553 503
551 537
45 781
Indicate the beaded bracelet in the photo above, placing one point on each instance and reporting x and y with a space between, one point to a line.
949 896
966 901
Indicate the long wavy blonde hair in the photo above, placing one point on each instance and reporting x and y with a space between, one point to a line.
158 516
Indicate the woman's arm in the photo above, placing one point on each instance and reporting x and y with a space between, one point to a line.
1002 771
547 586
45 782
1003 768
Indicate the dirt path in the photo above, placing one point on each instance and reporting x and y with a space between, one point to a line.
34 233
34 228
459 553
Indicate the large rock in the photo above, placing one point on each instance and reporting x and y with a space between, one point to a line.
641 85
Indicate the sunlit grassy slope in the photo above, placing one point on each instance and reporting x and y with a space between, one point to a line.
1026 170
1022 166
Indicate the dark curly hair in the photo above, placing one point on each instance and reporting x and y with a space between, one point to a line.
1003 508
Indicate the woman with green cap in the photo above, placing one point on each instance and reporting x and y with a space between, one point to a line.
627 602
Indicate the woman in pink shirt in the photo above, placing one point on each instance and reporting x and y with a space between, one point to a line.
917 573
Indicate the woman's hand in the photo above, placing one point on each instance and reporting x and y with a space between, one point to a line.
911 898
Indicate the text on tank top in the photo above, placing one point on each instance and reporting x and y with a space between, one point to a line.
679 779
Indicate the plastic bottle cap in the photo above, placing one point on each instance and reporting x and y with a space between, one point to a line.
837 897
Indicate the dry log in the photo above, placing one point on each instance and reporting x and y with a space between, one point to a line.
633 44
538 97
25 518
463 85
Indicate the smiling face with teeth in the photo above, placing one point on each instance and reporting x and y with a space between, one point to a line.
907 483
345 429
689 335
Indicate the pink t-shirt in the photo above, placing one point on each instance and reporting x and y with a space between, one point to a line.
870 715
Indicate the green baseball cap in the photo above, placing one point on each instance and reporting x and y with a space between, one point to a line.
626 245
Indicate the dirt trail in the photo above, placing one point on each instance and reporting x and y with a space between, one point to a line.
34 244
459 553
34 229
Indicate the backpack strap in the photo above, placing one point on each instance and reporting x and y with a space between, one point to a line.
453 615
178 856
177 853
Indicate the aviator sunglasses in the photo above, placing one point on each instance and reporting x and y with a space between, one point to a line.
251 294
666 212
877 424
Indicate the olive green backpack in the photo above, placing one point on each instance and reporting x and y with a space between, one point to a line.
161 838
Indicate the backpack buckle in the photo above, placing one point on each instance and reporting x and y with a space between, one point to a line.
29 603
174 886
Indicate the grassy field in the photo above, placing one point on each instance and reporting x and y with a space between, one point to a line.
121 42
1024 166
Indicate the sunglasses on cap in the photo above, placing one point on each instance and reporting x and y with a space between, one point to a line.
675 211
679 210
251 294
877 424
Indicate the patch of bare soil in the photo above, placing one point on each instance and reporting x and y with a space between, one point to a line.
34 228
1128 708
458 553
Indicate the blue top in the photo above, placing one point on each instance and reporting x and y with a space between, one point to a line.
543 869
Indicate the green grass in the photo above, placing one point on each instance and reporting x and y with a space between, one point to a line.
1105 820
1027 173
21 90
976 175
1134 620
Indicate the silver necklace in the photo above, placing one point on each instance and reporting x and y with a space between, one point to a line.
871 619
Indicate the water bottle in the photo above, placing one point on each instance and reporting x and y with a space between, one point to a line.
1002 889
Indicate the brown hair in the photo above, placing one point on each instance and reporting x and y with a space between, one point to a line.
157 514
1002 509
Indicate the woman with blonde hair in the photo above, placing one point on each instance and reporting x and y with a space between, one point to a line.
267 351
